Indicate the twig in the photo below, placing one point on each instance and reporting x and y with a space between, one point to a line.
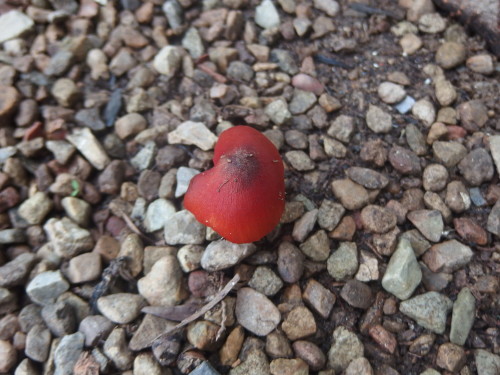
218 77
134 228
217 298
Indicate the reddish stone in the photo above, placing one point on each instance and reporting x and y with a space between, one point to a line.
455 132
384 338
9 197
34 131
115 225
470 231
345 230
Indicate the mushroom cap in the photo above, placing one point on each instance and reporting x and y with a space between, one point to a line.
243 196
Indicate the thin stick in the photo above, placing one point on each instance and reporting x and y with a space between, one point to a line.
217 298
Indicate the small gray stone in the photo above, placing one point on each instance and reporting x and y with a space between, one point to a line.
145 157
415 140
429 310
204 369
121 308
38 343
193 43
477 167
403 273
77 209
150 328
266 15
445 92
435 177
193 133
341 128
14 273
493 225
14 23
487 363
46 287
168 60
62 150
164 284
378 120
462 318
173 11
299 160
449 153
343 263
450 55
304 225
220 255
67 353
428 222
317 247
424 111
132 248
67 238
157 215
90 118
352 195
13 235
116 349
495 150
447 256
301 101
256 312
391 92
239 71
35 208
183 228
431 23
369 178
265 281
84 267
290 262
278 111
330 7
145 364
329 214
95 328
189 257
89 147
285 61
184 176
346 346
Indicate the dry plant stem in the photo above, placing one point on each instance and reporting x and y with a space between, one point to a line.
217 298
134 228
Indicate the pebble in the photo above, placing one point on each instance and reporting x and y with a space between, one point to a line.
77 210
256 312
164 284
301 102
446 93
462 319
410 43
110 180
350 194
26 367
67 238
14 272
473 115
255 363
334 148
493 224
435 177
447 256
65 91
477 167
306 82
487 363
45 287
183 228
35 208
277 345
90 118
121 308
157 215
116 349
429 310
357 294
278 111
316 247
330 7
14 23
67 353
8 354
494 141
431 23
95 328
319 298
448 153
378 219
368 267
84 267
266 15
433 201
391 92
342 128
38 343
88 145
193 133
202 334
265 281
330 214
310 353
184 176
451 357
457 197
404 161
299 160
428 222
228 354
345 348
304 225
220 255
343 263
145 364
193 43
145 157
283 366
122 62
173 11
482 64
60 318
290 262
450 54
150 327
424 111
14 235
285 61
378 120
403 273
130 124
299 323
384 338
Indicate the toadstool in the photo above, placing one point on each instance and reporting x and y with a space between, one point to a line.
243 196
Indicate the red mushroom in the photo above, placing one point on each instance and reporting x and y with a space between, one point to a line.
243 196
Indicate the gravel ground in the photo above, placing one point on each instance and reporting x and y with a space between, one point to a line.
386 260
